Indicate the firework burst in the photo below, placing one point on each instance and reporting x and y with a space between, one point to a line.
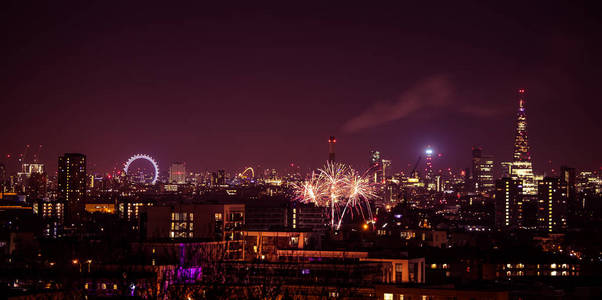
310 191
341 189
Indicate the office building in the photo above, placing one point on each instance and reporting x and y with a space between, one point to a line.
428 171
569 182
218 178
482 171
386 164
27 169
177 173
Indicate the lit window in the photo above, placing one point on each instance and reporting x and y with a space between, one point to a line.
388 296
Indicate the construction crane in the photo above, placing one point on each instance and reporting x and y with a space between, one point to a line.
413 173
36 157
23 156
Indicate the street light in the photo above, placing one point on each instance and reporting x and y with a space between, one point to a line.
76 262
89 262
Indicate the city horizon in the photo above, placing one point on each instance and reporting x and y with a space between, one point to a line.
300 151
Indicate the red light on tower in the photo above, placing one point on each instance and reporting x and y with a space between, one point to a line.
331 142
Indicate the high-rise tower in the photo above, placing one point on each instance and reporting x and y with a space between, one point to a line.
552 204
72 183
482 171
375 166
521 166
177 173
331 142
508 203
429 162
521 144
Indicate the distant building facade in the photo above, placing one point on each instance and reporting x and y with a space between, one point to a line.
482 171
177 173
72 184
552 205
508 205
217 222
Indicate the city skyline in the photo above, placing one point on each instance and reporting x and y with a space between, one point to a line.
239 92
518 140
250 150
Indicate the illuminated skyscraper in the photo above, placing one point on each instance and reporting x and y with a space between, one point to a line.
30 168
331 142
177 173
374 158
429 163
508 204
552 204
218 178
385 164
375 165
72 183
575 208
521 144
521 166
482 171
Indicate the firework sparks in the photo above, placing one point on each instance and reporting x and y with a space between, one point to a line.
311 191
341 189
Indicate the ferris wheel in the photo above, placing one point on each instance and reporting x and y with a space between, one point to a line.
144 157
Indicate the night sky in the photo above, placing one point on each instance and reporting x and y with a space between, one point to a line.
243 84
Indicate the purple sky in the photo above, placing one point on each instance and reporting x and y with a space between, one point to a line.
231 86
